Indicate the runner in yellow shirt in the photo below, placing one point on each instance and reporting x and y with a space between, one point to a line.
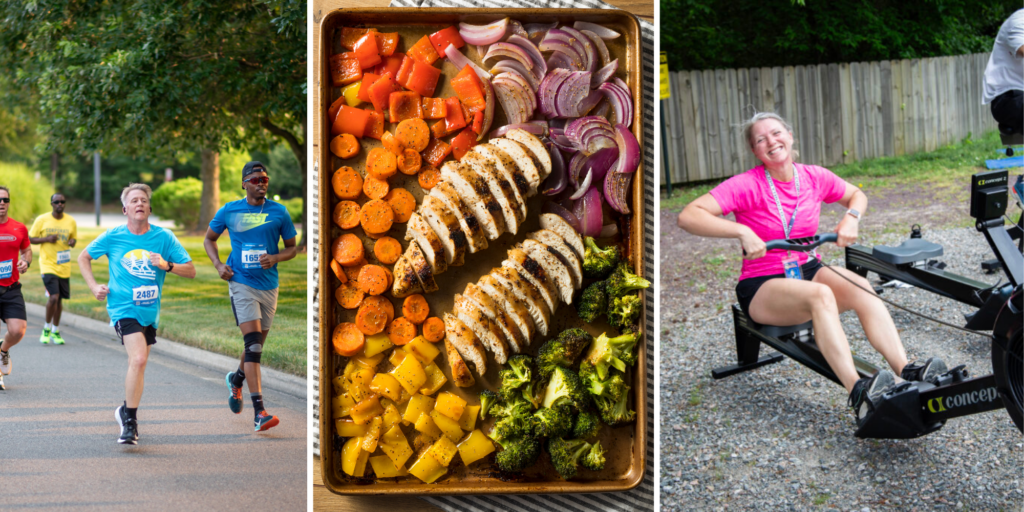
57 233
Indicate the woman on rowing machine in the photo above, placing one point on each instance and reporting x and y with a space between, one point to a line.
782 199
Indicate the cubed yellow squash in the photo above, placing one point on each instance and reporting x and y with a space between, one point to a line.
418 404
350 368
358 392
447 425
341 404
365 410
384 467
422 350
405 396
391 415
340 384
372 435
426 425
450 405
396 446
364 376
410 374
376 344
435 379
475 447
351 455
349 428
396 357
370 362
443 450
427 468
468 420
386 385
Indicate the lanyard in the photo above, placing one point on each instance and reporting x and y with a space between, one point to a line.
786 227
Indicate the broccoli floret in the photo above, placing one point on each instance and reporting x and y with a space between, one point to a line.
613 404
515 373
587 424
624 311
565 455
594 459
554 421
598 262
591 380
488 399
565 385
517 454
534 393
605 352
593 303
623 281
562 351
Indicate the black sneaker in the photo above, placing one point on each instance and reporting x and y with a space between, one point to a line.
927 371
867 391
129 427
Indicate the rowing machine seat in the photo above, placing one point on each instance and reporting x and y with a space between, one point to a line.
914 249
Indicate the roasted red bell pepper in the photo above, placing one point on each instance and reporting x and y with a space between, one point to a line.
350 36
423 79
405 70
404 105
433 108
335 107
364 88
386 42
478 121
350 120
389 64
442 38
436 152
423 51
380 90
454 118
463 142
366 51
438 129
344 70
469 89
374 125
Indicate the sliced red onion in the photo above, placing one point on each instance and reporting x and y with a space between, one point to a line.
511 51
617 187
514 65
559 60
588 103
539 68
576 168
602 32
462 61
488 106
601 109
563 143
557 181
584 187
629 150
539 29
481 49
558 124
620 100
618 81
609 230
516 29
599 163
571 93
590 134
602 49
561 45
588 210
483 34
568 216
549 89
604 74
514 101
523 97
534 127
583 44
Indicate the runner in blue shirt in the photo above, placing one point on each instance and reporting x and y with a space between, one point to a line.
140 256
255 225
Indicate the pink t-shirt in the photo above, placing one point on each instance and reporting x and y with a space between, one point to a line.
749 197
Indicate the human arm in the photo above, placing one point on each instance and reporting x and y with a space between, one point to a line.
289 252
212 251
99 291
44 239
186 269
703 217
855 199
25 259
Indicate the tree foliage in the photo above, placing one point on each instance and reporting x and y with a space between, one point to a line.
707 34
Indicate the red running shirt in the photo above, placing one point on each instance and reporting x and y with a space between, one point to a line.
13 239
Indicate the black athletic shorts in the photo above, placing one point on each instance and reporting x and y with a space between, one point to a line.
126 326
1008 111
12 303
747 288
55 284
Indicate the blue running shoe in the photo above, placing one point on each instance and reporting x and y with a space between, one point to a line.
264 421
235 399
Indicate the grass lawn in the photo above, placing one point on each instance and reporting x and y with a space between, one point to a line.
945 169
197 311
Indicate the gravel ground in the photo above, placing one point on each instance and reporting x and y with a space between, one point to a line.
781 437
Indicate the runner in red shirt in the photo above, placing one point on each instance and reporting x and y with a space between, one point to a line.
15 258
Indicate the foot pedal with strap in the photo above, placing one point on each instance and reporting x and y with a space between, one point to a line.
896 416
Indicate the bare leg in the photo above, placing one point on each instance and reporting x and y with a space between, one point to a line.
15 331
138 355
57 311
52 303
252 370
790 302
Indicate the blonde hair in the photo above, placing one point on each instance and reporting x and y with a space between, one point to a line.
748 127
135 186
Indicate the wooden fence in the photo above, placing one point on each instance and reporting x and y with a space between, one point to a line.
840 112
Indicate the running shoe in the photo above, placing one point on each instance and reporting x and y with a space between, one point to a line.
235 398
867 391
928 371
264 421
2 387
129 427
44 338
5 363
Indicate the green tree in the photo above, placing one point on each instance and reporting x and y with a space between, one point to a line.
148 78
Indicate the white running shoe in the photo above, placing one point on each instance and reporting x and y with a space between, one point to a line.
5 363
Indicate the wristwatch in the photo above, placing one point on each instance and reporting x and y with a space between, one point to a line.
170 266
853 213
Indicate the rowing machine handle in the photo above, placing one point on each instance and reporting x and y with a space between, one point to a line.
802 244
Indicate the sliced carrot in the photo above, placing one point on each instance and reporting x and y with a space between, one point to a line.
436 152
401 331
429 178
373 280
346 214
338 272
402 202
348 249
415 308
377 216
347 339
433 329
382 302
375 188
409 162
387 250
349 295
371 319
374 236
413 134
352 271
347 183
391 143
345 145
381 163
391 281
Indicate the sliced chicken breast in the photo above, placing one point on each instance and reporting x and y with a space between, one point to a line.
419 232
535 274
446 225
513 210
467 221
514 307
553 222
485 330
508 168
465 342
477 195
497 314
421 268
561 250
406 282
514 281
535 148
522 159
557 271
460 371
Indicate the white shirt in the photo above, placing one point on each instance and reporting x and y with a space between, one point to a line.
1005 70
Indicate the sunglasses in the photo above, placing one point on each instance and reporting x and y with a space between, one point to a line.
5 199
259 180
59 202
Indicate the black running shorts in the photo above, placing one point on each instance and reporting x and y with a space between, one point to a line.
12 304
55 285
747 288
126 326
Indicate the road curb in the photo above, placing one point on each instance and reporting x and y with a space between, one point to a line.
270 378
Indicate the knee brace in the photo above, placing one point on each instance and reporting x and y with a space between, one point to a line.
253 347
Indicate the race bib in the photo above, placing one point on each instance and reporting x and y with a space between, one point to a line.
251 255
145 295
6 269
63 257
792 267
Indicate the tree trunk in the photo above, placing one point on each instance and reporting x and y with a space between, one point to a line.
54 163
210 200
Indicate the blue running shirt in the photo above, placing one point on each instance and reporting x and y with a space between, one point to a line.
254 230
135 286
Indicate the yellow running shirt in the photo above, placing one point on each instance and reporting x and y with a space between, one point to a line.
55 258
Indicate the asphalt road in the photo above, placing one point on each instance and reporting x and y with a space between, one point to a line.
58 447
